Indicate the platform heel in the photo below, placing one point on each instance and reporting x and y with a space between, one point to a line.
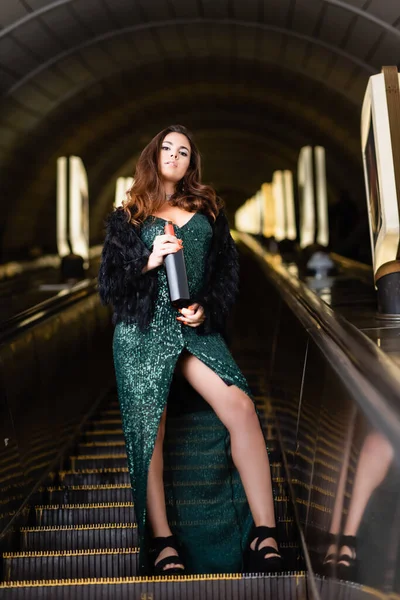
255 560
158 544
346 563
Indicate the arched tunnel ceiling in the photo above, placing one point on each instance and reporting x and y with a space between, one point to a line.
253 79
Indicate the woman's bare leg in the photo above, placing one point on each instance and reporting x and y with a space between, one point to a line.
156 509
373 464
236 411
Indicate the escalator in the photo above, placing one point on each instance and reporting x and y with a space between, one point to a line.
82 542
328 399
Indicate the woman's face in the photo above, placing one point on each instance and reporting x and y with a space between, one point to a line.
174 157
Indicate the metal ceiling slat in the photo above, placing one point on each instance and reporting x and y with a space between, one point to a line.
19 60
184 42
365 15
63 28
309 53
230 9
251 11
90 27
23 44
11 12
34 15
16 108
388 46
14 59
52 26
363 37
200 8
116 25
375 46
290 14
153 32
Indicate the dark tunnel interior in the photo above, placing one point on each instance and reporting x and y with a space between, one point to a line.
253 80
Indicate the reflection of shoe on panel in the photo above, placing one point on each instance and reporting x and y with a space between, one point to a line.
347 561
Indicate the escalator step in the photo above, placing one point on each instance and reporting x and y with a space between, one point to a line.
94 494
112 461
85 514
110 412
103 447
79 537
120 475
196 587
121 512
103 435
105 424
90 494
95 476
24 566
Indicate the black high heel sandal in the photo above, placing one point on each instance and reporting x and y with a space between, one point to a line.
158 544
346 564
256 559
328 566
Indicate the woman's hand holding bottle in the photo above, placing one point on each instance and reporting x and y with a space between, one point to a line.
162 245
193 315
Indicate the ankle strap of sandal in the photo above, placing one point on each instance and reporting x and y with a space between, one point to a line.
262 533
348 540
160 543
332 538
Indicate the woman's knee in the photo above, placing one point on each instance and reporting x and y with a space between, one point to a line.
241 407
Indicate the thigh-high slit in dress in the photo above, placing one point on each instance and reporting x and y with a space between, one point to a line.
206 504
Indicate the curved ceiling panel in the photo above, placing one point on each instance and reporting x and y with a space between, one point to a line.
254 80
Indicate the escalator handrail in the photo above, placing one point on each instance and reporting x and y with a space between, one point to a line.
371 376
31 316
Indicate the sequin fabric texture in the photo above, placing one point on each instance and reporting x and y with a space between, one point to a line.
206 504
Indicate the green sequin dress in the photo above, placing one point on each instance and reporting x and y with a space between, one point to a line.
206 505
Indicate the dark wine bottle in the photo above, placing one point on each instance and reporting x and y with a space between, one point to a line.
176 274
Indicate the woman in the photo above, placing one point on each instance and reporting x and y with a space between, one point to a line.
165 358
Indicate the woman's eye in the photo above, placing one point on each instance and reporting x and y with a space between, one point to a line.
183 152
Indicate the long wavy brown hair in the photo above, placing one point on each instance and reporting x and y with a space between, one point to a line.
147 196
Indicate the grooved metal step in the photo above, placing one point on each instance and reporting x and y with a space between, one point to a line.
94 494
118 475
79 537
121 512
85 514
106 461
89 494
103 435
101 447
196 587
73 564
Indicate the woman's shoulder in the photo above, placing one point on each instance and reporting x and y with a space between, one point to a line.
117 223
117 214
118 218
219 219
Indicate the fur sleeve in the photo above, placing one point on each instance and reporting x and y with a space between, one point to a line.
222 279
123 257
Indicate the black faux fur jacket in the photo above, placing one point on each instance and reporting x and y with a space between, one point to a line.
132 293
